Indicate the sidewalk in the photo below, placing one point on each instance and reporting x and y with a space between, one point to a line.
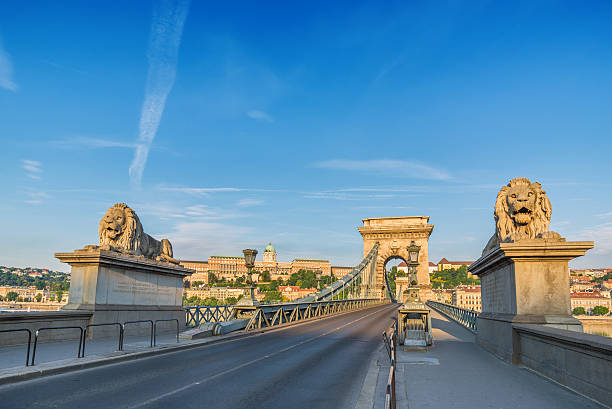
457 373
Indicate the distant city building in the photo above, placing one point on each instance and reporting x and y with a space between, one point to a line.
445 264
28 294
340 272
468 297
588 301
432 267
403 267
292 293
444 296
220 293
232 267
591 272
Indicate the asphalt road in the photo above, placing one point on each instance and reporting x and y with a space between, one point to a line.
316 365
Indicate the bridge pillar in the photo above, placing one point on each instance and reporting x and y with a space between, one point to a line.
524 282
394 235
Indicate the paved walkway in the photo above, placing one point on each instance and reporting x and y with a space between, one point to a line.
456 373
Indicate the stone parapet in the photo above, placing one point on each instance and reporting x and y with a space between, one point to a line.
38 319
582 362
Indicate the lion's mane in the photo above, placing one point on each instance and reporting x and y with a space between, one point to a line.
506 228
505 225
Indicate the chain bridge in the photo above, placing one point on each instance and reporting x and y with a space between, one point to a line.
342 347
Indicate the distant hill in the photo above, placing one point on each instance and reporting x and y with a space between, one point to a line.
33 276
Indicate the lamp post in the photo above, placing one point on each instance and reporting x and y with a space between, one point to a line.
249 262
413 262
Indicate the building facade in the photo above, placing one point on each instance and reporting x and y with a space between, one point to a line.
232 267
339 271
468 297
292 293
588 301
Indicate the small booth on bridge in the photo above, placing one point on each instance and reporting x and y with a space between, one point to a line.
414 325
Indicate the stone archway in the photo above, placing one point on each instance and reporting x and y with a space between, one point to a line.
394 235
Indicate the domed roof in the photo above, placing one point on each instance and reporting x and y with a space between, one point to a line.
270 248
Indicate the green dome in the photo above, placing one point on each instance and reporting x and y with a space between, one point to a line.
270 248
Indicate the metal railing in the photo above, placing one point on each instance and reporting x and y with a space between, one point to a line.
390 341
165 320
56 328
29 340
140 321
195 316
269 315
467 318
119 348
83 335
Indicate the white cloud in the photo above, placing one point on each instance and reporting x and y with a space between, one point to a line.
602 235
92 143
260 116
199 240
6 71
249 202
199 191
33 168
36 197
386 167
165 38
337 195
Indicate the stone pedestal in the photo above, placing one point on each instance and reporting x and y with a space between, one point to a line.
120 288
525 282
401 285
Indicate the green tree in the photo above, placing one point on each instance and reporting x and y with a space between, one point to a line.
451 278
579 311
38 297
606 277
212 278
197 283
303 279
265 276
600 310
231 300
59 294
12 296
273 296
212 301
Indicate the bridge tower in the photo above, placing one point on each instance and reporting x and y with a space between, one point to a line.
394 235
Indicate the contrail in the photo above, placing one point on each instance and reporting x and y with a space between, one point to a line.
166 29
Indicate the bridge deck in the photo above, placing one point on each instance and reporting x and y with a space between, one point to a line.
316 365
457 373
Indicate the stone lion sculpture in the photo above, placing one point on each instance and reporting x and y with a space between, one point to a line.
120 230
522 211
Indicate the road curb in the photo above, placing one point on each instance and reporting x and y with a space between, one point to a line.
11 375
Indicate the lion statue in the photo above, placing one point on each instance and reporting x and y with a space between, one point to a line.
522 211
120 230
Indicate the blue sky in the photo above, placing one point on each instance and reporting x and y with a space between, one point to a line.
227 125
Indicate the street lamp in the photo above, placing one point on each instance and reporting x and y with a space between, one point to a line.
249 262
413 262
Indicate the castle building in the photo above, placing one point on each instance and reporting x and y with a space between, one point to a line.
232 267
